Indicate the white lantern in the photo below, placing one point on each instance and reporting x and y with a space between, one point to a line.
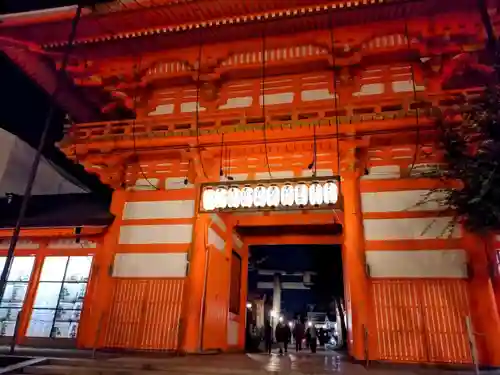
301 193
273 196
287 195
221 197
330 192
316 194
259 196
247 197
234 197
208 199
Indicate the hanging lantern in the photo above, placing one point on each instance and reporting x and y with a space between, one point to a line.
221 197
247 197
287 195
259 196
273 196
301 194
330 192
234 197
208 199
316 194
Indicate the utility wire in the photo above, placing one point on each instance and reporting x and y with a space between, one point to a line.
38 155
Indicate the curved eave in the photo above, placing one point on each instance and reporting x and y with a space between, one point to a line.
98 28
41 71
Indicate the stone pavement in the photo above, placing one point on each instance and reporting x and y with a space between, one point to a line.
225 364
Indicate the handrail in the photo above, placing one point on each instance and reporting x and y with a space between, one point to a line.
399 107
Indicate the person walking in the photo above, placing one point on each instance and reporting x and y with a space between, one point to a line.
282 336
312 336
268 336
298 334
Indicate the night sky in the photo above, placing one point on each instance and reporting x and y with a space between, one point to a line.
14 6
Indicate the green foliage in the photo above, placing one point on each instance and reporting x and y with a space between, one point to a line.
472 154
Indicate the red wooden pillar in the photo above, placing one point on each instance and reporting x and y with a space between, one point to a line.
100 288
485 317
353 258
243 297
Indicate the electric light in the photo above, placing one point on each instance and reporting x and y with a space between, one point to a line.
330 193
272 313
247 197
301 193
249 305
208 199
290 324
273 196
259 196
234 197
221 197
280 319
287 195
309 324
316 194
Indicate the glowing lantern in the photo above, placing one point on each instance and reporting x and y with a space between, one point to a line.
221 197
330 192
301 193
233 197
273 196
259 196
208 199
247 197
287 195
316 194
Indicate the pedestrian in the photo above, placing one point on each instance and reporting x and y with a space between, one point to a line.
268 336
298 334
282 336
312 336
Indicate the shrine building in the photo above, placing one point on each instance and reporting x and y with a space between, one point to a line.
224 124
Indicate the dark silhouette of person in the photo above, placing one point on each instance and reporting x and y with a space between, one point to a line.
282 336
298 334
268 336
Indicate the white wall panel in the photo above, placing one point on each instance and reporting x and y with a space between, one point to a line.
275 175
177 183
155 234
395 201
150 265
408 229
216 240
237 242
181 209
232 332
319 172
383 172
417 264
216 219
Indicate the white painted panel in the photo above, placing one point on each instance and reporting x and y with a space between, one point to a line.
182 209
265 285
191 107
426 169
408 229
417 264
319 172
383 172
155 234
215 240
232 332
394 201
146 184
218 221
67 243
275 175
240 102
281 98
238 243
162 109
150 265
406 86
318 94
236 177
177 183
370 89
21 244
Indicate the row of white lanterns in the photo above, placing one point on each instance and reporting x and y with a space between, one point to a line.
287 195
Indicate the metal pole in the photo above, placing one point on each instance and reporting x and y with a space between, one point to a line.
204 296
38 157
472 343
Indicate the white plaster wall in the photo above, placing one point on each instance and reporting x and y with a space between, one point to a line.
232 332
176 209
155 234
417 264
394 201
408 229
150 265
237 242
281 98
177 183
216 219
383 172
215 240
275 175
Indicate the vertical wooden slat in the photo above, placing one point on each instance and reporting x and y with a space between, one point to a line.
421 320
145 314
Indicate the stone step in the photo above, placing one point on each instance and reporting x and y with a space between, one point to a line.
73 370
